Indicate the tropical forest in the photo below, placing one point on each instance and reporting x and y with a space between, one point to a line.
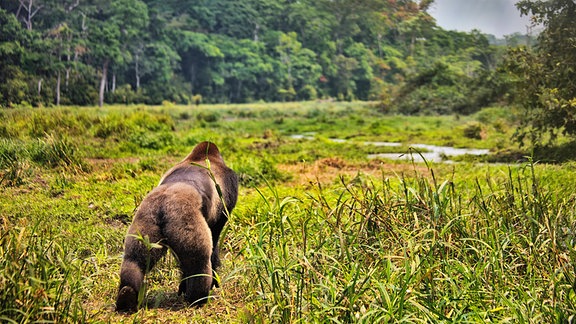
386 169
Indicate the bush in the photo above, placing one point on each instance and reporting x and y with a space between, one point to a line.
151 121
135 126
209 117
308 92
473 131
154 141
254 171
110 126
60 121
443 100
54 152
15 89
13 167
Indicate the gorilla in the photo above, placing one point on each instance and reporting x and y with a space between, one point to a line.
185 213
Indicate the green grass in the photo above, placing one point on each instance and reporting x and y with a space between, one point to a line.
320 233
415 249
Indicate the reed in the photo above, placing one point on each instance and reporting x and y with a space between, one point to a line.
40 276
415 249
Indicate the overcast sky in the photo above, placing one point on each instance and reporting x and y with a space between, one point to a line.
496 17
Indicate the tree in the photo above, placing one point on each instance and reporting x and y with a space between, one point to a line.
225 50
245 69
12 42
546 76
113 27
28 9
132 17
59 45
299 68
363 74
235 18
105 48
436 90
199 55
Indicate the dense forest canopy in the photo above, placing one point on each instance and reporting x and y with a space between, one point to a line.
84 52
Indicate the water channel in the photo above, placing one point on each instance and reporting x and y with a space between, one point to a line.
431 153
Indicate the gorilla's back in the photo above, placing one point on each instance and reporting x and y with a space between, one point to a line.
198 178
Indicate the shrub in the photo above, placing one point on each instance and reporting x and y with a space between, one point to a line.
431 101
59 121
125 95
209 117
54 152
473 131
13 167
154 141
150 121
184 115
308 92
110 126
254 171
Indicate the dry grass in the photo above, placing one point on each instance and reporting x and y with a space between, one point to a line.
330 170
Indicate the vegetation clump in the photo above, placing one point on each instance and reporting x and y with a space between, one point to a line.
414 248
41 275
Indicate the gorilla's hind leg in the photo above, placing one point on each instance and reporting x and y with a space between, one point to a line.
132 277
196 281
190 238
196 267
138 260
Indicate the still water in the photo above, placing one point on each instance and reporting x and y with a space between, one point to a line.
430 153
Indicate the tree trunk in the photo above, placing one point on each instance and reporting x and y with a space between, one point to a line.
137 70
58 89
113 82
256 29
103 83
31 12
67 78
379 39
68 59
238 90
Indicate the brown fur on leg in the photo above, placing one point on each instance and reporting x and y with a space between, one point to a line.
127 300
131 277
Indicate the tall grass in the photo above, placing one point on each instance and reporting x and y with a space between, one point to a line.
415 250
57 151
13 165
40 279
17 157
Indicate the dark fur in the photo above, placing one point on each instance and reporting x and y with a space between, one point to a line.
186 214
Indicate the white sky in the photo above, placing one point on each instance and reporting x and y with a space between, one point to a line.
496 17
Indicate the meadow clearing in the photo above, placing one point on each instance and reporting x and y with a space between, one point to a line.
321 233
